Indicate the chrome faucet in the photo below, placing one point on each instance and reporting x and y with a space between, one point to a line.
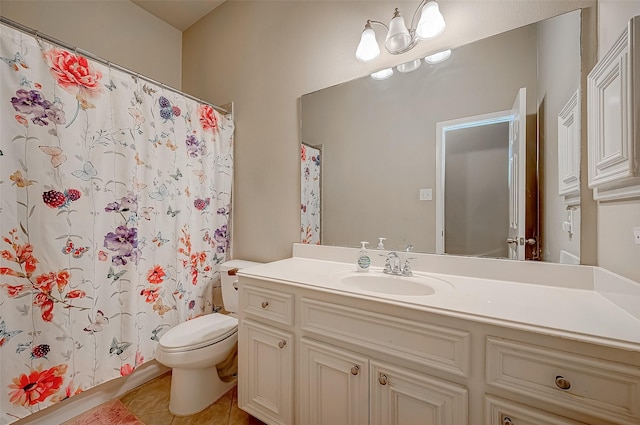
392 265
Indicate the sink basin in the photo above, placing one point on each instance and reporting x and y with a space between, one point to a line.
417 285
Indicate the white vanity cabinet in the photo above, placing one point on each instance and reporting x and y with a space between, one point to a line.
315 356
613 111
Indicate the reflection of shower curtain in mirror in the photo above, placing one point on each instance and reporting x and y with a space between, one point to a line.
310 195
115 196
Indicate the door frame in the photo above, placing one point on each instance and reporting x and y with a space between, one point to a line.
442 128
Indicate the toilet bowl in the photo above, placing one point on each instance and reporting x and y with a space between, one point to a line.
194 348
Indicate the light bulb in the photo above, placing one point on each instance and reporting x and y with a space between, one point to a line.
431 22
382 74
409 66
438 57
368 48
398 36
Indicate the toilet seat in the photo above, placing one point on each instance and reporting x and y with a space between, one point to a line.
199 332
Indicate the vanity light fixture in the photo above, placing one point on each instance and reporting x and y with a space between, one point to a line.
383 74
399 38
409 66
438 57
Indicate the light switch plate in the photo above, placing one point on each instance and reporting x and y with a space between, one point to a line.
426 194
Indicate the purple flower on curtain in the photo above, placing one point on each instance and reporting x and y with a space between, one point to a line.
127 203
124 241
33 103
195 147
167 110
222 239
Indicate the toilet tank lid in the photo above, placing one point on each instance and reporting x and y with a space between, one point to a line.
200 331
239 264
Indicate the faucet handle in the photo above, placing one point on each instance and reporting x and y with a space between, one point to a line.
409 248
406 269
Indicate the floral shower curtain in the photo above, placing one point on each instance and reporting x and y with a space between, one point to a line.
311 180
114 205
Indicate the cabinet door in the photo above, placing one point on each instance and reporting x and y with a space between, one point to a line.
265 374
612 114
404 397
503 412
334 385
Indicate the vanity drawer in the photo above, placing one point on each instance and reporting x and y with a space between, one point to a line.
598 387
503 412
266 303
442 348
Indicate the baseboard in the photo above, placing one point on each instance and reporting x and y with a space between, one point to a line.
65 410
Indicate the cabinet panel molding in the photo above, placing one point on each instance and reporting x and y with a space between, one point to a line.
443 348
598 387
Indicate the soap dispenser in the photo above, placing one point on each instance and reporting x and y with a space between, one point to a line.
364 261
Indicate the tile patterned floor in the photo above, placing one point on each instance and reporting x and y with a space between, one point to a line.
150 403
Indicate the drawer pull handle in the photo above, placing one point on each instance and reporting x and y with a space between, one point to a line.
282 344
383 379
506 421
562 383
355 370
264 304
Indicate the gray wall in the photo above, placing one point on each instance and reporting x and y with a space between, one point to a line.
117 31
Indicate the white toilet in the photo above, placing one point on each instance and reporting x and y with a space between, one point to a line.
194 348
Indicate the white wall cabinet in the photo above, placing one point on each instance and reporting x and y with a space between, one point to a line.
613 111
569 151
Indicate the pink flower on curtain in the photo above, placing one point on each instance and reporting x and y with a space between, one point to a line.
36 387
126 369
156 275
74 73
208 118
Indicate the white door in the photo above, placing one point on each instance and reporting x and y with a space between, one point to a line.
517 176
265 373
334 385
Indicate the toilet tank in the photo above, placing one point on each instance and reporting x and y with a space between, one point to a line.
229 282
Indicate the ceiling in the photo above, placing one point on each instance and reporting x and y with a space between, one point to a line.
180 14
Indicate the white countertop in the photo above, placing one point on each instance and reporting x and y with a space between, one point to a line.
572 309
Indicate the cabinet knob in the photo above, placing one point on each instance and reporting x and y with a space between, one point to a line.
264 304
506 421
562 383
282 344
383 379
355 370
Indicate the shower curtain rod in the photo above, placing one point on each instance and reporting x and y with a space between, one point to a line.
50 39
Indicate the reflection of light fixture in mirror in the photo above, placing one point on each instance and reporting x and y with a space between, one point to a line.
382 74
409 66
438 57
401 39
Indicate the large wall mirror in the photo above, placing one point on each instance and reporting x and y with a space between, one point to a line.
404 157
